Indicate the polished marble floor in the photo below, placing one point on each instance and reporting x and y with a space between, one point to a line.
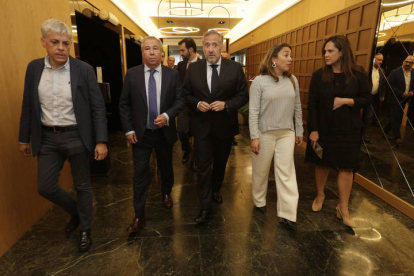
237 240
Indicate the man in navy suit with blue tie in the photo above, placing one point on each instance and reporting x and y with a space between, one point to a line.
150 101
402 85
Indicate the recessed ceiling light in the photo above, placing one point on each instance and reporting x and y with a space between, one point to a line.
169 21
221 22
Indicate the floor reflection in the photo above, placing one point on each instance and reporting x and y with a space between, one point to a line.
237 240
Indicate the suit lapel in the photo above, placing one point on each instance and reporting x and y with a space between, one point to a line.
74 77
223 73
38 75
164 83
141 84
203 71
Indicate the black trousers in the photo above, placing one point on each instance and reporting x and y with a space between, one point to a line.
212 155
142 154
56 148
183 128
394 123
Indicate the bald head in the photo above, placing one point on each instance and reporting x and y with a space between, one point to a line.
171 61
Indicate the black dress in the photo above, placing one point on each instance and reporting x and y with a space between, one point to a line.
341 143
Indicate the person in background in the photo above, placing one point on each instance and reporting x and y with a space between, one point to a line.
64 118
337 93
401 80
162 57
378 84
171 61
275 123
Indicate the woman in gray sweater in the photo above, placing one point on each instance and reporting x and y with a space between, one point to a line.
275 121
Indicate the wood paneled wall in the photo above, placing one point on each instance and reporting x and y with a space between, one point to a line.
358 23
20 204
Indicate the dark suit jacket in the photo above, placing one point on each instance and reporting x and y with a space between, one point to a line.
321 99
182 69
382 86
232 89
397 82
133 106
87 100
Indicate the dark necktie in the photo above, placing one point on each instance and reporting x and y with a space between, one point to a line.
214 79
188 64
152 99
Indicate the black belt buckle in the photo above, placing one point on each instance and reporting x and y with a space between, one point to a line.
55 129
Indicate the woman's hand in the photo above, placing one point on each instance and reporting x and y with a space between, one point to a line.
255 144
338 102
299 140
314 137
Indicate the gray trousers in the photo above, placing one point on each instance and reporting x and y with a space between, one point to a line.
56 148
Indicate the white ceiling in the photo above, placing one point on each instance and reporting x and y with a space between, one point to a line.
250 14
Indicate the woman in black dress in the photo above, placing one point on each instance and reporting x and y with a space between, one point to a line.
337 93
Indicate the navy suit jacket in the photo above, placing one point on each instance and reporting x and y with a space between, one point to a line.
133 106
397 82
88 105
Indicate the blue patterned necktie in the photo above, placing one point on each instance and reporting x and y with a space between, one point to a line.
152 99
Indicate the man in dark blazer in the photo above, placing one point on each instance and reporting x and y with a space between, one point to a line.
64 118
402 86
215 88
150 101
188 51
378 90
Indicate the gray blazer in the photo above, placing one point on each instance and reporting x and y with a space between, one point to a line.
133 107
87 100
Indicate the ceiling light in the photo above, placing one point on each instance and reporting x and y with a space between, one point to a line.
221 22
400 18
381 34
179 30
397 3
169 21
186 11
220 30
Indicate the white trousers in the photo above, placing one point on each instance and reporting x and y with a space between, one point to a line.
280 145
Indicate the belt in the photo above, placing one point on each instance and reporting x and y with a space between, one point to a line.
59 128
153 130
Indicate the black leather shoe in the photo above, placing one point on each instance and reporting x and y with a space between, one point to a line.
288 223
137 224
261 209
186 156
72 224
168 202
217 197
202 216
85 240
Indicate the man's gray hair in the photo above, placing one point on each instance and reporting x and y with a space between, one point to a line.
213 31
56 26
151 37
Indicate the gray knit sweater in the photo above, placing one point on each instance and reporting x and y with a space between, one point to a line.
274 105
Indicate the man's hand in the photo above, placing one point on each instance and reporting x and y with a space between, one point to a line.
132 138
101 151
204 107
218 106
160 121
405 95
25 149
382 99
299 140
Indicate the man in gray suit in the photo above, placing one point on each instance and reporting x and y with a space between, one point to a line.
63 117
150 101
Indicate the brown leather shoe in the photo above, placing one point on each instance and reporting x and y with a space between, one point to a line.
136 224
168 202
202 216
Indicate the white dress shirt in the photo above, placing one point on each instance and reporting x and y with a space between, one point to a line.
407 76
210 72
55 96
191 61
158 81
375 80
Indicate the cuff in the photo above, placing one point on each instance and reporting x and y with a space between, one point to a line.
168 119
198 105
129 132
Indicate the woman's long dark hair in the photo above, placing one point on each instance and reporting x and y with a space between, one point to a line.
266 64
347 61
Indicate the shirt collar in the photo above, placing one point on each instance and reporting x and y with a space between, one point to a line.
146 68
194 60
218 63
66 66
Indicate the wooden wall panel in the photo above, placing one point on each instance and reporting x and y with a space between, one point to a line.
357 23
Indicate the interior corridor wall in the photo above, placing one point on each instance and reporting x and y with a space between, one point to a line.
20 204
